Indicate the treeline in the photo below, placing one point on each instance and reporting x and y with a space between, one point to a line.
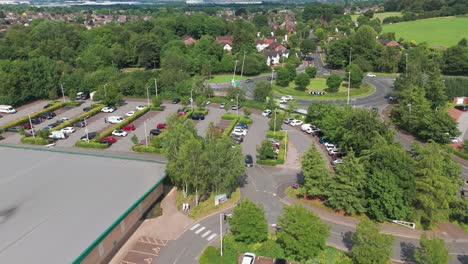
433 7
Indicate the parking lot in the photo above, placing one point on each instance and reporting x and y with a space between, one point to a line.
22 111
214 115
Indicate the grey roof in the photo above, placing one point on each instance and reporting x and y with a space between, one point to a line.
54 205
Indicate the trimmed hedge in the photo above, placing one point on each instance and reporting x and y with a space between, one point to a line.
94 111
229 116
268 162
157 108
230 127
282 136
246 120
73 104
35 141
278 135
24 119
201 111
145 149
91 144
125 122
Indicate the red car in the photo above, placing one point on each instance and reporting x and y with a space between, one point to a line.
180 113
161 126
109 140
26 126
129 127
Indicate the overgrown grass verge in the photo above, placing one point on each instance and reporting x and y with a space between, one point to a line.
36 141
91 144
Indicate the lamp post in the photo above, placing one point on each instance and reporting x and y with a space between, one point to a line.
234 73
237 96
105 90
274 125
349 83
350 50
32 128
221 216
86 130
271 80
242 69
156 87
146 134
191 99
147 95
63 93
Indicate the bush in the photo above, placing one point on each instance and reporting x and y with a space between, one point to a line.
229 128
35 141
135 140
254 104
73 104
157 101
229 116
145 149
157 108
278 135
126 121
245 120
96 109
24 119
247 112
91 144
201 111
267 162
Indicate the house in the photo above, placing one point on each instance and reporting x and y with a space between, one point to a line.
188 40
226 42
289 25
275 46
262 44
273 57
389 43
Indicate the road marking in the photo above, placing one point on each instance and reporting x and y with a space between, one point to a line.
199 230
194 227
206 233
212 236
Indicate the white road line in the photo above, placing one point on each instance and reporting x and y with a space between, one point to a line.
206 233
194 227
199 230
212 236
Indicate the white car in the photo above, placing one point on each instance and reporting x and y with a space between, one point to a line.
108 109
304 127
370 74
114 119
222 105
454 139
329 145
283 101
130 113
57 135
248 258
266 112
296 122
337 161
289 97
119 133
68 130
239 132
140 107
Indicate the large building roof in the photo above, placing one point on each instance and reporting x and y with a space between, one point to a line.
54 205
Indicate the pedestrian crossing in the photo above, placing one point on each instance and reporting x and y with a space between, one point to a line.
203 232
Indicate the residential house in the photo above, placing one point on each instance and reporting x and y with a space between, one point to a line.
275 46
262 44
389 43
289 25
188 40
226 42
273 57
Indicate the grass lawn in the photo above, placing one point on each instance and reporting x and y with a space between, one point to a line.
437 32
380 16
319 84
223 78
206 207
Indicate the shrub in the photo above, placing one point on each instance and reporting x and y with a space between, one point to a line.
245 120
247 112
91 144
201 111
157 108
73 104
126 121
229 128
267 162
278 135
229 116
24 119
145 149
96 109
157 101
35 141
135 139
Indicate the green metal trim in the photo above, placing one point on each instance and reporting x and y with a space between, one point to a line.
42 148
98 240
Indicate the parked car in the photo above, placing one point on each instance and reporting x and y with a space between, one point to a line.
47 115
296 122
89 136
237 139
79 123
68 130
248 258
108 140
370 74
333 151
248 80
86 109
13 129
329 145
108 109
239 132
248 160
114 119
337 161
289 97
155 132
288 120
36 120
222 105
462 107
283 101
235 107
161 126
130 113
242 125
269 78
50 126
197 116
119 133
58 135
140 107
304 127
266 113
82 96
176 100
129 127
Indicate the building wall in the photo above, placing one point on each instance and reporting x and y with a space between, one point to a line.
109 244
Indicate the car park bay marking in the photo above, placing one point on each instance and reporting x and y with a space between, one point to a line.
206 233
212 236
194 227
199 230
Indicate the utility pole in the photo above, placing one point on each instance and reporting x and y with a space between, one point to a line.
86 130
191 99
350 50
237 105
274 125
148 95
234 74
32 128
156 86
63 94
349 83
242 70
221 232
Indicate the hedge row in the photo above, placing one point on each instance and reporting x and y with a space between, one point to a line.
125 122
201 111
157 108
24 119
245 120
145 149
268 162
229 116
96 109
283 142
276 135
35 141
91 144
230 127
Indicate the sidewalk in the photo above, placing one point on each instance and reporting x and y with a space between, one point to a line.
169 226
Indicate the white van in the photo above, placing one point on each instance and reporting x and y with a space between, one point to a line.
57 135
7 109
115 119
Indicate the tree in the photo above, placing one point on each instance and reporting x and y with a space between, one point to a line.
234 93
302 80
431 251
311 71
157 100
292 106
302 234
177 132
338 53
275 125
316 175
369 246
333 83
248 223
262 91
109 95
356 75
282 77
307 46
265 151
72 94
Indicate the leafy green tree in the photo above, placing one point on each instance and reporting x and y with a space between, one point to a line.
282 77
302 234
233 93
333 83
316 175
72 94
311 71
302 80
292 106
431 251
369 246
156 100
338 53
109 95
291 68
279 121
260 20
177 132
265 151
248 223
347 188
262 91
308 46
356 75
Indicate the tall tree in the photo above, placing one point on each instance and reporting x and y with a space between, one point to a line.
356 75
248 223
316 175
369 246
431 251
262 91
333 83
302 81
302 234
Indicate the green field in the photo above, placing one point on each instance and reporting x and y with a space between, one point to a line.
437 32
380 16
224 78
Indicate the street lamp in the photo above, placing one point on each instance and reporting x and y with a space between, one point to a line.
156 86
274 125
86 130
105 90
271 80
349 83
350 49
237 96
146 134
32 128
234 73
191 99
242 70
147 95
63 94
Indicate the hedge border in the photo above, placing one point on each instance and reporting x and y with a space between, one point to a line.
125 122
96 109
145 149
241 119
35 141
21 120
91 144
230 127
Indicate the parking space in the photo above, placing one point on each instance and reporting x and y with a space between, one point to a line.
152 119
96 124
214 115
22 111
256 134
146 250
